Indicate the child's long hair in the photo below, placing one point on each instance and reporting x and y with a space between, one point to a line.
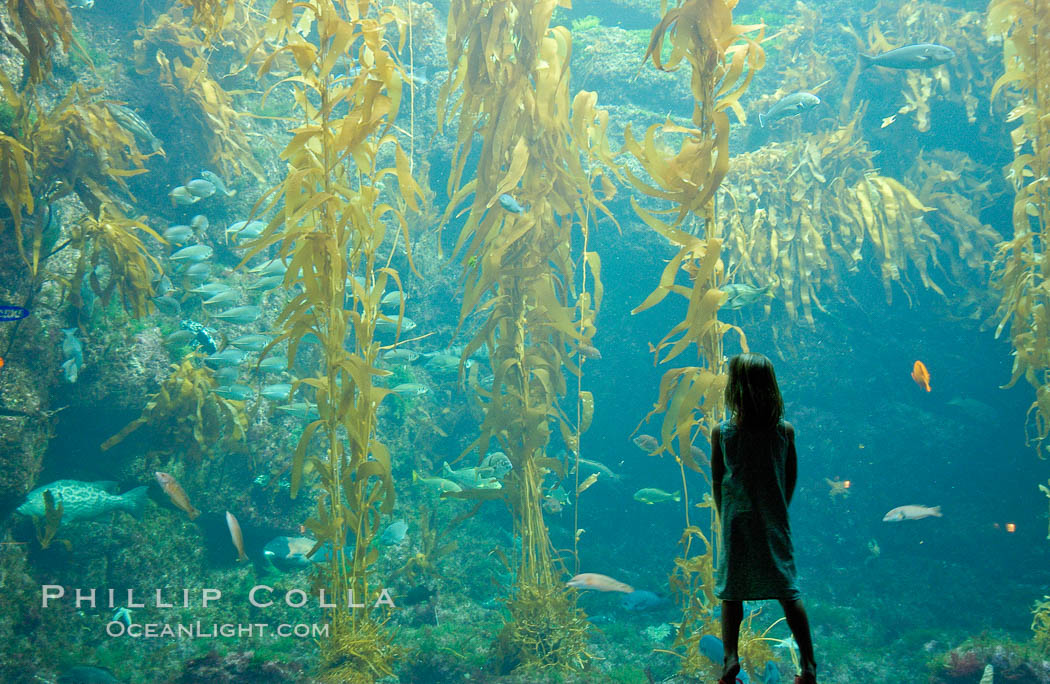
752 394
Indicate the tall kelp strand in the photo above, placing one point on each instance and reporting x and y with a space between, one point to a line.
542 153
1024 26
723 58
329 226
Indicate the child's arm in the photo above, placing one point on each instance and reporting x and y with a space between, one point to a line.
791 467
718 467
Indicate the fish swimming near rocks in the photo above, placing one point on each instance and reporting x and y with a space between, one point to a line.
394 533
596 582
217 182
84 500
788 106
235 536
640 599
291 553
912 513
920 56
175 492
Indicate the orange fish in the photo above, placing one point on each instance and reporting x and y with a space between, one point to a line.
176 494
592 580
236 536
920 375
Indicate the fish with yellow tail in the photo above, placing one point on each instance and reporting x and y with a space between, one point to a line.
596 582
236 536
176 494
912 513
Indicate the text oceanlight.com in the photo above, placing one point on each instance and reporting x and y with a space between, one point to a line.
199 630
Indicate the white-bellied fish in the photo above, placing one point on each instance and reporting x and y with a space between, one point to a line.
240 314
267 283
596 582
192 253
273 364
200 188
277 391
400 356
253 342
301 409
410 389
439 483
236 536
179 234
227 357
269 267
920 56
652 495
912 513
235 392
180 196
217 182
223 297
199 222
789 105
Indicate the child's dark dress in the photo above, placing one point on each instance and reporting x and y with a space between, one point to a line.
757 560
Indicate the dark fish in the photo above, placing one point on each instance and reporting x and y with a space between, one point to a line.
640 599
291 553
205 337
790 105
921 56
167 305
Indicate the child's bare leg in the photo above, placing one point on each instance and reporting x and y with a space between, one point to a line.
799 624
732 615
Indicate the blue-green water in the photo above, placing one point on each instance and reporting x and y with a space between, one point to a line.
938 599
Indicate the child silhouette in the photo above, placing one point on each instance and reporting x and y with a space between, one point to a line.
753 470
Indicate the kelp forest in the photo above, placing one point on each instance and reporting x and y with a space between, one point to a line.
383 341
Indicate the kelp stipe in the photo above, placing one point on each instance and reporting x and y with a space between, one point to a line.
329 226
1020 274
508 79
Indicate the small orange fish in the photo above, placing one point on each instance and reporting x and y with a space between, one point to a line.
176 494
236 536
592 580
1 362
920 375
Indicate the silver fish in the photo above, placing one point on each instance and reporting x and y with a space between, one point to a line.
240 314
210 289
277 392
411 389
230 295
179 337
180 196
267 283
246 230
199 222
227 375
389 325
167 305
391 299
270 267
237 392
400 356
178 234
301 409
254 342
273 364
789 105
217 182
128 119
193 253
227 357
739 295
198 272
70 370
200 188
920 56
